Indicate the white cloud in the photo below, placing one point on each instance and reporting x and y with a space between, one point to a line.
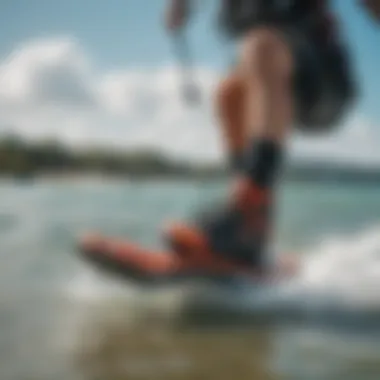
46 72
357 143
52 87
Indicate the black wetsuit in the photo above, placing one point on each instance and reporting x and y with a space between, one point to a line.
323 82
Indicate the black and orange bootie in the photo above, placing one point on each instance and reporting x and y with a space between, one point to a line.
239 231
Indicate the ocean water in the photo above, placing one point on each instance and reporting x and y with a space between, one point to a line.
59 319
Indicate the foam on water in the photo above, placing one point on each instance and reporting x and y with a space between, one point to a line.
346 269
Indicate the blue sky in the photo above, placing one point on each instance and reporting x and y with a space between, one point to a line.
128 35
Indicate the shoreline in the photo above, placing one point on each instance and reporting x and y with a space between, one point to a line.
288 177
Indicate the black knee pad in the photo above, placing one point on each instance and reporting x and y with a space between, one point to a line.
262 162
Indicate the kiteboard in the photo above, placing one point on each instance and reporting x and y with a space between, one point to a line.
131 261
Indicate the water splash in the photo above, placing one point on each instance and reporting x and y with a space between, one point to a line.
337 283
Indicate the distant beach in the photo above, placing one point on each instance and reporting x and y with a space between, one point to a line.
27 160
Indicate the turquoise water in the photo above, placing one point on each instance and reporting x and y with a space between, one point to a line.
52 306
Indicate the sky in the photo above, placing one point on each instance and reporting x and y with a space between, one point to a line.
104 73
